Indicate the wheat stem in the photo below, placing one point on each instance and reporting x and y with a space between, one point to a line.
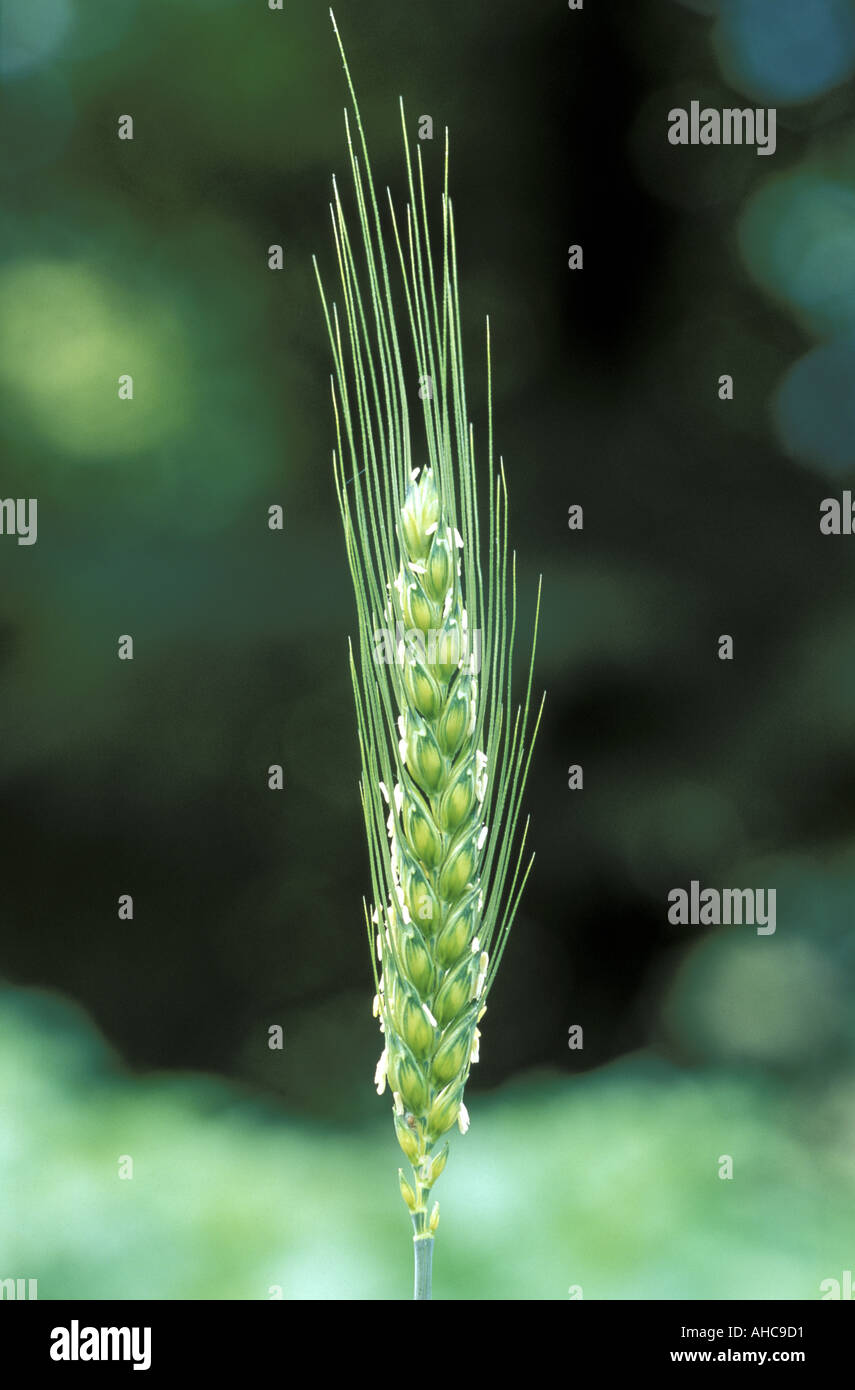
423 1248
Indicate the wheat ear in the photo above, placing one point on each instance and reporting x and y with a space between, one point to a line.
444 758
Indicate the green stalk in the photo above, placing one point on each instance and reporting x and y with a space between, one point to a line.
423 1247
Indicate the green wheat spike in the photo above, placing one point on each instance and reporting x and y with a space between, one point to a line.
444 753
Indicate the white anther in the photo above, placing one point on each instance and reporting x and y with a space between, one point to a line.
380 1073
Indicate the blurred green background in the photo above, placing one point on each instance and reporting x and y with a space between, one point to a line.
257 1169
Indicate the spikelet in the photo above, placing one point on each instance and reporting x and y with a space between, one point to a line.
444 755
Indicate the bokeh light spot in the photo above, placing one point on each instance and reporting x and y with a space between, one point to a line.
785 50
797 237
69 335
814 407
32 31
732 1000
